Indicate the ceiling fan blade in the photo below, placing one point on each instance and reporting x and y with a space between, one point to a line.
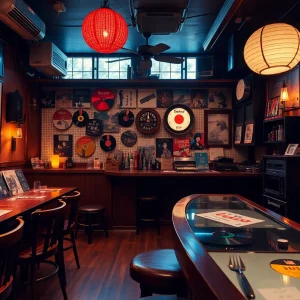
145 64
169 59
120 59
158 48
131 51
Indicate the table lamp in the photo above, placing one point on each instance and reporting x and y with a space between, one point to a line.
55 161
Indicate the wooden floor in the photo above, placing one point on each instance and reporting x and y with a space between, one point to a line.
104 272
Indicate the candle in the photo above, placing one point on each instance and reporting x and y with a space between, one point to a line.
55 161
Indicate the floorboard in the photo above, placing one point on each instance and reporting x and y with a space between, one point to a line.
104 272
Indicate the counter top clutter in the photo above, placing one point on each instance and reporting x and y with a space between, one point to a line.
216 235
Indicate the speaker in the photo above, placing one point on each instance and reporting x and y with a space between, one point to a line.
14 107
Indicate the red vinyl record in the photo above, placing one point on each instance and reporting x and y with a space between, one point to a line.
103 99
62 119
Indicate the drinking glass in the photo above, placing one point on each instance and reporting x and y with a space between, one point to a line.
36 186
90 165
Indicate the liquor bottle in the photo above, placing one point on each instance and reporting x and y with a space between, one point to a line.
140 160
122 162
153 164
135 160
144 161
131 163
128 162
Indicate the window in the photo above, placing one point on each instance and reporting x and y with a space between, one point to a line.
166 70
80 68
191 64
116 68
111 68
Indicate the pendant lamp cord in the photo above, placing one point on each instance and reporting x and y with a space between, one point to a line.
293 7
105 3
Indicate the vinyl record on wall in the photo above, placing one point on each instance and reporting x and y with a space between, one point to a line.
108 143
103 99
62 119
129 138
85 146
80 118
126 118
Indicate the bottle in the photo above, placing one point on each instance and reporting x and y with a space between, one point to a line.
128 162
149 164
140 160
135 160
131 162
153 164
123 162
157 165
144 162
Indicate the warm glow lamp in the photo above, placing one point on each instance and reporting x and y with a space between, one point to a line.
273 49
55 161
105 30
284 95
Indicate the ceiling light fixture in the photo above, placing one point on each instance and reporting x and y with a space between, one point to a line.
273 49
105 30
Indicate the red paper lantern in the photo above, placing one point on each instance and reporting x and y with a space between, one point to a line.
104 30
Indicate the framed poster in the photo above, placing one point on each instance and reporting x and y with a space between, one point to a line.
291 149
248 134
199 98
218 128
127 98
147 98
63 98
63 145
81 98
238 134
164 148
164 98
220 98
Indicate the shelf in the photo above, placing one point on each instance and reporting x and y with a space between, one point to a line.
244 145
274 120
274 142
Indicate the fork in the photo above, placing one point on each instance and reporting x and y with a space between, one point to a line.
236 264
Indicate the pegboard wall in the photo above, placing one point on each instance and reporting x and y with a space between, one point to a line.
48 131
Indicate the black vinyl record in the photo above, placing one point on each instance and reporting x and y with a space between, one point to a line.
129 138
108 143
225 238
126 118
80 118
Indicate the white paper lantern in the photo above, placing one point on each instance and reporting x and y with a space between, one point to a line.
273 49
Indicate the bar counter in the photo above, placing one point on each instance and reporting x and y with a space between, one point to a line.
117 190
203 245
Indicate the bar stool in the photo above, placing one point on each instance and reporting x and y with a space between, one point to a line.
147 204
91 216
158 272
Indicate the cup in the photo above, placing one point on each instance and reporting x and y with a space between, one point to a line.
36 186
90 164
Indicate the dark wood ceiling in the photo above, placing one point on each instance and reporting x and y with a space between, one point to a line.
65 31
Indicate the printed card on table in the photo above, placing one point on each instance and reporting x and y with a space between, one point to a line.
229 218
12 181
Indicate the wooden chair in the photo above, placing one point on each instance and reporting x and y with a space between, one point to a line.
9 251
72 202
46 241
158 272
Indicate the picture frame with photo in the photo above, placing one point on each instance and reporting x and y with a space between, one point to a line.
126 98
273 108
164 147
220 98
291 149
238 135
218 128
248 133
199 98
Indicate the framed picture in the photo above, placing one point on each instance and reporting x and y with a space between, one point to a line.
248 134
291 149
218 128
272 108
1 59
238 134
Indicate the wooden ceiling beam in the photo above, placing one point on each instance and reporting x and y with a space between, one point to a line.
225 14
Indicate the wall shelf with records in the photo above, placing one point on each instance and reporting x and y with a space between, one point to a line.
283 130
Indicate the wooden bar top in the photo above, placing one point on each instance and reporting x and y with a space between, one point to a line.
28 201
159 173
61 170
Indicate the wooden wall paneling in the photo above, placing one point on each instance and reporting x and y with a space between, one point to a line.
13 80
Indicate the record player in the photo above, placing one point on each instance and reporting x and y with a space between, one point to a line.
184 164
224 164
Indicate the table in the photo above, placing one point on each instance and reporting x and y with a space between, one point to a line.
29 201
203 245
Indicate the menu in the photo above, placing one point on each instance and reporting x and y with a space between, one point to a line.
229 218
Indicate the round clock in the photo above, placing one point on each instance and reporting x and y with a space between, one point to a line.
242 90
148 121
179 119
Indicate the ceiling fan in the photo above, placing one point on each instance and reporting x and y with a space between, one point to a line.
146 52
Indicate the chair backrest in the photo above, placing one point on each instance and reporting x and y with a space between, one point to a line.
9 252
48 225
72 201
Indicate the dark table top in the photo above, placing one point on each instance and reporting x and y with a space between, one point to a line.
30 200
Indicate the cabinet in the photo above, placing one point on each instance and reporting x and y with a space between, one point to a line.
251 111
284 130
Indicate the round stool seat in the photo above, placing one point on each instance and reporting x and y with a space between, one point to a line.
159 270
152 198
91 208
